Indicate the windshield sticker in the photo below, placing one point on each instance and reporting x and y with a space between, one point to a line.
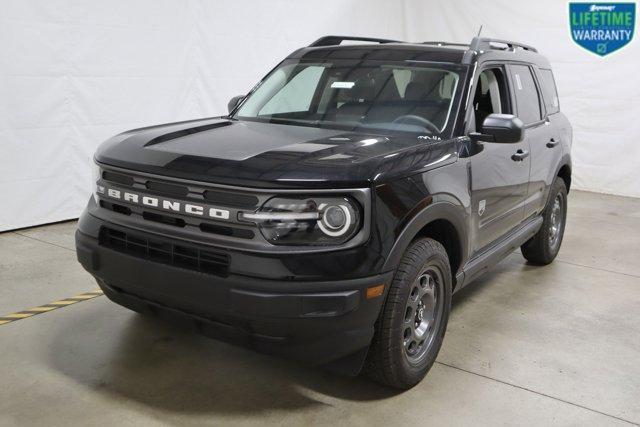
342 85
518 81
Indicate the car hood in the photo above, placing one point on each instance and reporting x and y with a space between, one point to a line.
266 155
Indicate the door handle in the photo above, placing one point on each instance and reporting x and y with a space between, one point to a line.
552 143
520 155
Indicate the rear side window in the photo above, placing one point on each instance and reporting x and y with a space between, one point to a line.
527 98
549 92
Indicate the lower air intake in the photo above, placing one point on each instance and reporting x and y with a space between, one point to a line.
165 252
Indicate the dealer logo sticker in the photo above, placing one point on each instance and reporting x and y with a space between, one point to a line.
602 28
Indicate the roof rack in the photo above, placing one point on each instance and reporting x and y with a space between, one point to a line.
477 44
444 44
484 43
336 40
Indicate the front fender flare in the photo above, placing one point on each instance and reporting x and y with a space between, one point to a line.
447 211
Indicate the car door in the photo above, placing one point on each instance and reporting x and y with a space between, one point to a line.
537 134
545 144
499 173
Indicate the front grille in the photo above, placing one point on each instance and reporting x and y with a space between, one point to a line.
118 178
164 186
226 198
165 252
227 231
183 192
115 207
168 189
163 219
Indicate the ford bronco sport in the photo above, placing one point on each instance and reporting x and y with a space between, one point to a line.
331 214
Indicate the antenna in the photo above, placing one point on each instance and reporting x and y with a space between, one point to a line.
479 31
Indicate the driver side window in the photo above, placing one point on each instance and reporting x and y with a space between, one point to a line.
492 95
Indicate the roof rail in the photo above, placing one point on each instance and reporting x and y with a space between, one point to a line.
336 40
444 44
484 43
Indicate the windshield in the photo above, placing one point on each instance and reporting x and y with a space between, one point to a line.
357 95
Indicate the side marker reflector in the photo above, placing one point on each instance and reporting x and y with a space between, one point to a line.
375 291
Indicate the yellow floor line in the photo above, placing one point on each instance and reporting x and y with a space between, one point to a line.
8 318
42 309
63 302
17 316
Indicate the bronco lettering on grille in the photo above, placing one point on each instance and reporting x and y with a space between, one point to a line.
164 204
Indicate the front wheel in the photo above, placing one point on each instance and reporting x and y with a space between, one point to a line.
545 245
411 326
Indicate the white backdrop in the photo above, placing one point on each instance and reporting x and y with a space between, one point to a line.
74 72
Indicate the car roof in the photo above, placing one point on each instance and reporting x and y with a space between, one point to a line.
381 52
479 50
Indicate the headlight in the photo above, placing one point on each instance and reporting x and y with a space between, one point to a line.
95 176
307 220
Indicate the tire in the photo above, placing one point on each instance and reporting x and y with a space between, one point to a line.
542 248
423 276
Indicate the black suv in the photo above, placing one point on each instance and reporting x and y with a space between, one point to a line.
331 214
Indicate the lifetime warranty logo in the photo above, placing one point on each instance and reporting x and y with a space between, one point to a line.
602 28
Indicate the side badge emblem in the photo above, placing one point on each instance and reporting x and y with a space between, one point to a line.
481 207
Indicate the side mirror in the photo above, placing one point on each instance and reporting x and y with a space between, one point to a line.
502 128
234 102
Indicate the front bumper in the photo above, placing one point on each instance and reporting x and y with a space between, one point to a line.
316 322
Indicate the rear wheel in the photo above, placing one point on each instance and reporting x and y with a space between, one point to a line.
545 245
411 326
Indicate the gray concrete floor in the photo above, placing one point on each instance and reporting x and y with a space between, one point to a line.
526 345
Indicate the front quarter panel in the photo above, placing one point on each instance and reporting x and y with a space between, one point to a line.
405 206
